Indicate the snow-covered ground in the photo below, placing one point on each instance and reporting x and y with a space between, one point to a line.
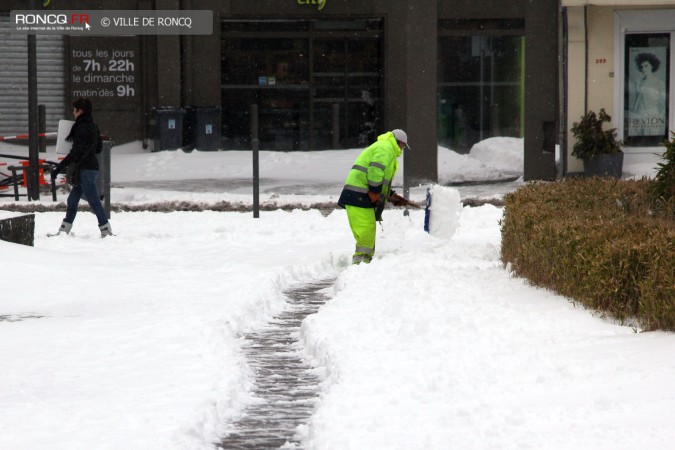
134 341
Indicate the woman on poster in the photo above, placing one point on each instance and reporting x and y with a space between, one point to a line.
648 116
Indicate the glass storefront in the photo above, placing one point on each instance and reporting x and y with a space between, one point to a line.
643 66
317 84
480 89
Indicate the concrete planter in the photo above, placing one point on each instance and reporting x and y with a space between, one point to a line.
17 228
605 165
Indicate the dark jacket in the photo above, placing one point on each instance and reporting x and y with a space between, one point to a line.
86 141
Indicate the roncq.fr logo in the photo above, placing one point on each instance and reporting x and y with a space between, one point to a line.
52 19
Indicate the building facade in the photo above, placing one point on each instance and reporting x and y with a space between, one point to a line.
327 74
619 56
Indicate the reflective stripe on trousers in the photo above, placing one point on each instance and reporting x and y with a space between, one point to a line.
362 223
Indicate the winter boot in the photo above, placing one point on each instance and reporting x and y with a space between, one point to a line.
106 230
65 227
359 258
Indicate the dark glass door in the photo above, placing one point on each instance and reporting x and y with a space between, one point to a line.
271 73
347 92
317 84
480 89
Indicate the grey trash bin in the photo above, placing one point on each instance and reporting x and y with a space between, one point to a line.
202 128
167 122
104 169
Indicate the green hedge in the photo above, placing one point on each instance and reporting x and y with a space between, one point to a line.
597 241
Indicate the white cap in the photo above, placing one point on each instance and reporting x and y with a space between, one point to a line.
400 136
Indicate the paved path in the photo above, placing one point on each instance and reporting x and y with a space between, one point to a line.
285 385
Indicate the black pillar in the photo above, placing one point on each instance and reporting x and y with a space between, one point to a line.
421 163
32 175
541 89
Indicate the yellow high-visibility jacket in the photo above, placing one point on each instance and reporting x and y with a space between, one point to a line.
373 171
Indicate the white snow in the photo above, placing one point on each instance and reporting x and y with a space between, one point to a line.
134 341
445 208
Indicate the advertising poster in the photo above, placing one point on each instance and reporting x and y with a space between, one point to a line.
647 92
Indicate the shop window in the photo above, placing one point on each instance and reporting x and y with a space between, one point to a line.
646 89
318 86
264 62
480 89
273 74
347 91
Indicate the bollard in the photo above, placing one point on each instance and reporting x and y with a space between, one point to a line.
255 144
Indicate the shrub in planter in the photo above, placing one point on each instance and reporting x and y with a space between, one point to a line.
598 148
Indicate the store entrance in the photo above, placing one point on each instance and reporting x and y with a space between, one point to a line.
347 92
481 91
317 84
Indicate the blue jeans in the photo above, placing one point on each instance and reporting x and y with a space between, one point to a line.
87 187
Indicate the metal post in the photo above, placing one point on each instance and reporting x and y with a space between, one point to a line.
104 163
255 144
32 175
406 180
42 128
15 182
52 184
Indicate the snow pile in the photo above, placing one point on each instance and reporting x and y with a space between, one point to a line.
444 211
493 159
504 154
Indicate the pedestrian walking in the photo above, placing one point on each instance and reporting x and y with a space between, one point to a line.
368 187
81 162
